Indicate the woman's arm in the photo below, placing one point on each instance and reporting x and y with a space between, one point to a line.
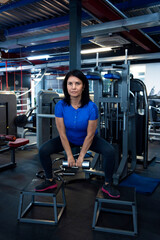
92 125
64 140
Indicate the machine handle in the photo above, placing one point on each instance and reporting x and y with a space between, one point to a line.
85 164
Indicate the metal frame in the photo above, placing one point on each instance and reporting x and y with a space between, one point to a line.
45 116
124 201
122 101
5 104
32 133
153 133
8 105
12 163
120 108
56 216
75 34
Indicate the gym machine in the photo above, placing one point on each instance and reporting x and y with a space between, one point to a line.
122 105
8 112
63 169
27 122
139 90
12 143
8 109
8 129
45 119
154 118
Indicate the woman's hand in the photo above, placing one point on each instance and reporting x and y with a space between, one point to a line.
71 162
79 161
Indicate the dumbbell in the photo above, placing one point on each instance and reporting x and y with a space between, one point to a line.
85 164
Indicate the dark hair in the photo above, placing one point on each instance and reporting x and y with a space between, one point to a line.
85 94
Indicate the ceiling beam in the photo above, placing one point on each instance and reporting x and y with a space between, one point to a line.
94 30
127 5
101 10
17 4
48 46
138 22
152 30
37 26
106 11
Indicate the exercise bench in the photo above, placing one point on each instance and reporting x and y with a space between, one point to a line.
49 204
12 145
116 214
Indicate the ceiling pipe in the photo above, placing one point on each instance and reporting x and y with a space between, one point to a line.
138 22
62 64
48 46
137 57
98 29
28 41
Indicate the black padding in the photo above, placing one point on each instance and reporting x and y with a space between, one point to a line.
21 120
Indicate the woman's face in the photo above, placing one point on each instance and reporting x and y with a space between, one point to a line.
74 86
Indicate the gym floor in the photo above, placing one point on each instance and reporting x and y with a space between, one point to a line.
76 221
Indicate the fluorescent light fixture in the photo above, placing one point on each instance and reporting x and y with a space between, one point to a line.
38 57
60 78
47 74
96 50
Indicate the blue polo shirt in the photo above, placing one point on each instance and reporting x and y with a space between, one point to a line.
76 120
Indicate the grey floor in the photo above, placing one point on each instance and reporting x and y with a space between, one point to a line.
76 221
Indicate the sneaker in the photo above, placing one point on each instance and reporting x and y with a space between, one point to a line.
47 185
110 190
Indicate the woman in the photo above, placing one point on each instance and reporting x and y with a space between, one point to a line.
76 121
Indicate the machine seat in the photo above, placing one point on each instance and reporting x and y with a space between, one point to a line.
18 142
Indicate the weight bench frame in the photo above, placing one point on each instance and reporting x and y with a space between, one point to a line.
12 146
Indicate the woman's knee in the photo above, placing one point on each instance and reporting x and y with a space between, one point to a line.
109 152
44 150
42 153
50 147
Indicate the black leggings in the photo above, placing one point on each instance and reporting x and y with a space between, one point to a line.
99 145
